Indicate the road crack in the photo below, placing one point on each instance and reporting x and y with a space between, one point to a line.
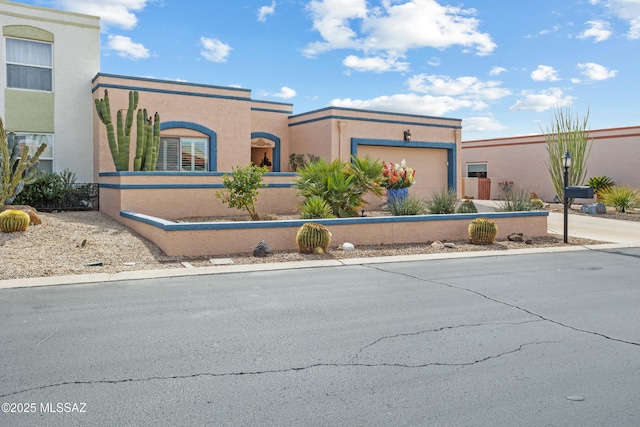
524 310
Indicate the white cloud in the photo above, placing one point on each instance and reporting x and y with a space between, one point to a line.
407 103
599 30
392 29
285 93
541 101
214 50
496 71
126 48
265 11
544 73
546 31
376 64
596 72
112 13
481 124
627 10
468 87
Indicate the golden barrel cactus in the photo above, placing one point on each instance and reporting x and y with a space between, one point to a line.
313 238
483 231
14 220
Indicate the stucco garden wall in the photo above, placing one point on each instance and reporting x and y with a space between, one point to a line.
214 239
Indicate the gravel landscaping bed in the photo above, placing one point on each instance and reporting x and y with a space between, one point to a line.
71 243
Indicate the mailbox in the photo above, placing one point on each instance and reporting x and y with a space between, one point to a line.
579 192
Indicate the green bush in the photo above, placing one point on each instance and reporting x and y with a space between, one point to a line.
242 186
58 191
315 207
621 197
342 185
443 202
409 205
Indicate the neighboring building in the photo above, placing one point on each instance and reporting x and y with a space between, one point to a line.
48 59
524 161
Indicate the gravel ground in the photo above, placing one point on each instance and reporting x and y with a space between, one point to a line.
71 243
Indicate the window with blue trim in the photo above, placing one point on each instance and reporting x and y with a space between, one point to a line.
183 154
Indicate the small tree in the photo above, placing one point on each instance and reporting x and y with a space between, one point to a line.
17 167
242 188
567 134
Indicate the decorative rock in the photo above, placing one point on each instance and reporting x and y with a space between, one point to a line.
594 208
437 245
450 245
346 246
262 250
34 218
516 237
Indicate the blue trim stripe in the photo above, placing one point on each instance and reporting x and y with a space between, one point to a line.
179 186
173 82
187 173
276 151
365 119
266 110
386 113
169 92
238 225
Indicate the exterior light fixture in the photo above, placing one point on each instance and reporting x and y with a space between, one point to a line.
566 164
407 135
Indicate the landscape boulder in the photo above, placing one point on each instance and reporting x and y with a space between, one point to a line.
594 208
262 250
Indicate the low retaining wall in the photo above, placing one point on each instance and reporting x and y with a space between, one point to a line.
223 238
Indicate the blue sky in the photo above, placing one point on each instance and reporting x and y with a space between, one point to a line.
504 67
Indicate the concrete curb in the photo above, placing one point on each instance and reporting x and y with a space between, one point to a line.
278 266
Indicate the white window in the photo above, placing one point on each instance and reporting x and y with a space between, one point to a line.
183 154
34 141
476 170
29 65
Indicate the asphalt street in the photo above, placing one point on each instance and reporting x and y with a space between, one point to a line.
516 340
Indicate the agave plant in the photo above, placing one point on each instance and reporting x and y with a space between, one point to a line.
600 184
622 197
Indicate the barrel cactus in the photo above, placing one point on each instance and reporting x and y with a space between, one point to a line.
483 231
467 207
313 238
14 220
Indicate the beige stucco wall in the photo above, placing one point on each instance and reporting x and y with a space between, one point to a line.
76 59
524 159
280 235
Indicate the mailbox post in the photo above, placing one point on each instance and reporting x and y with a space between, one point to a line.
566 164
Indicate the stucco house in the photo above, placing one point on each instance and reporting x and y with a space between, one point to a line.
524 161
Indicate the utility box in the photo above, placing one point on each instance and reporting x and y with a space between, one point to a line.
579 192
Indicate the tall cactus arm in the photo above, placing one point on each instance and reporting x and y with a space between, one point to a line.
123 156
104 113
140 142
148 155
156 139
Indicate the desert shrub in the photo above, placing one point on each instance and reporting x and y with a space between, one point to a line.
409 205
621 197
341 184
315 207
519 199
58 191
241 188
600 184
443 202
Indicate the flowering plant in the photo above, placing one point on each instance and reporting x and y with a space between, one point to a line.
397 175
